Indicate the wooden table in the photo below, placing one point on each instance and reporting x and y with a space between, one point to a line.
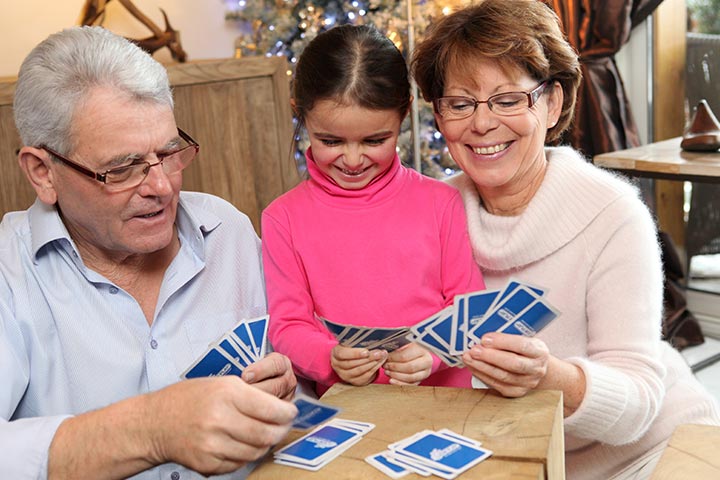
664 160
691 454
525 434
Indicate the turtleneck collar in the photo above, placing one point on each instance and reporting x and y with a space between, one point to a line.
572 194
381 188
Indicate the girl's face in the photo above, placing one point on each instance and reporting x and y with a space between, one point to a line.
502 154
350 144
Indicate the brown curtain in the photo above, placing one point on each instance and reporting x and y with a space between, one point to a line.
598 29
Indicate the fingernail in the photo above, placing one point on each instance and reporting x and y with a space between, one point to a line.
249 376
377 354
486 340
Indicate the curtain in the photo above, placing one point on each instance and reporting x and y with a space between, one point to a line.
598 29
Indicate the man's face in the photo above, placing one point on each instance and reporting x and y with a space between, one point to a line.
112 130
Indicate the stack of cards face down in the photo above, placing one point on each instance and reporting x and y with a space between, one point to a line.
443 453
244 344
517 308
323 444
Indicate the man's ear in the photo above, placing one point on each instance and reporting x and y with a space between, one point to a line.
35 162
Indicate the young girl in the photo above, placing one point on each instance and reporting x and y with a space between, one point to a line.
364 241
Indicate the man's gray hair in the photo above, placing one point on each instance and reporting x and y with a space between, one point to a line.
58 75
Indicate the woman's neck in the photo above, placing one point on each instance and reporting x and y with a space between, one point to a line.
513 198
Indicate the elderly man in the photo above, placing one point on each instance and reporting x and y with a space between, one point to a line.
114 281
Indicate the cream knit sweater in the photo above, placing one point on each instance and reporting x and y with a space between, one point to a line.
589 240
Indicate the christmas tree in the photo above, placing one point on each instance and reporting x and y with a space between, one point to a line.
285 27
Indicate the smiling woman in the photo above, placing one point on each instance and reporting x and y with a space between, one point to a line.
545 216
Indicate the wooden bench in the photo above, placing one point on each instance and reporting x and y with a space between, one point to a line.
691 454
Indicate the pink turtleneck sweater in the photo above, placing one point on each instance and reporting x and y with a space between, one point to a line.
388 255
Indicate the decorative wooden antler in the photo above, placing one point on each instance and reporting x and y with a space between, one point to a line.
93 12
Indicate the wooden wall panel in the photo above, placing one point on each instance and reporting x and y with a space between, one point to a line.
15 191
669 49
238 110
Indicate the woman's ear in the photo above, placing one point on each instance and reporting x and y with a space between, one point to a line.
293 105
555 104
35 163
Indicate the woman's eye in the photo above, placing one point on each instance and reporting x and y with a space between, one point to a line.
460 106
330 143
375 141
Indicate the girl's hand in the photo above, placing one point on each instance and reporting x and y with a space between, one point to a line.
357 366
511 364
408 365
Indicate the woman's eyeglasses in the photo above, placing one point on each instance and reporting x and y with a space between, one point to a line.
506 104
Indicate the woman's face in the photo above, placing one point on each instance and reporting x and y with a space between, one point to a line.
503 155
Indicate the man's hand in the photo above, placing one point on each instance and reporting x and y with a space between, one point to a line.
272 374
216 425
357 366
408 365
210 425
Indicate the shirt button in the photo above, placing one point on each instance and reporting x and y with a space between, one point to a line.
175 476
154 345
113 290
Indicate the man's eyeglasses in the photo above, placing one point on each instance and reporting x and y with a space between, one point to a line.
510 103
132 175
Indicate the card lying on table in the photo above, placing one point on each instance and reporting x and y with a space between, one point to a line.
319 447
443 453
244 344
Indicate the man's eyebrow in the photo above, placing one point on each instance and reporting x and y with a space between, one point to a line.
128 158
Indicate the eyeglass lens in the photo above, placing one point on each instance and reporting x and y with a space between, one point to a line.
132 175
510 103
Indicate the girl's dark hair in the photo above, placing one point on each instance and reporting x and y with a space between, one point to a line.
522 35
353 65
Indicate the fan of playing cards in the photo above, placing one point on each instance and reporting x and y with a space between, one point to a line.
518 308
244 344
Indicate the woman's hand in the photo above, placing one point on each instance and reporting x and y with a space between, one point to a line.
511 364
357 366
408 365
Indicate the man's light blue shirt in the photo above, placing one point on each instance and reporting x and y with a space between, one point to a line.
71 341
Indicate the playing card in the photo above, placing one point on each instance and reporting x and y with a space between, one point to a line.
360 427
213 363
447 433
504 312
243 339
478 305
312 412
337 329
386 338
232 349
514 284
386 465
531 320
258 334
437 451
458 343
327 441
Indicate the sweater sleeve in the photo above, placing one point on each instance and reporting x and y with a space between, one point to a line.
293 329
623 369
